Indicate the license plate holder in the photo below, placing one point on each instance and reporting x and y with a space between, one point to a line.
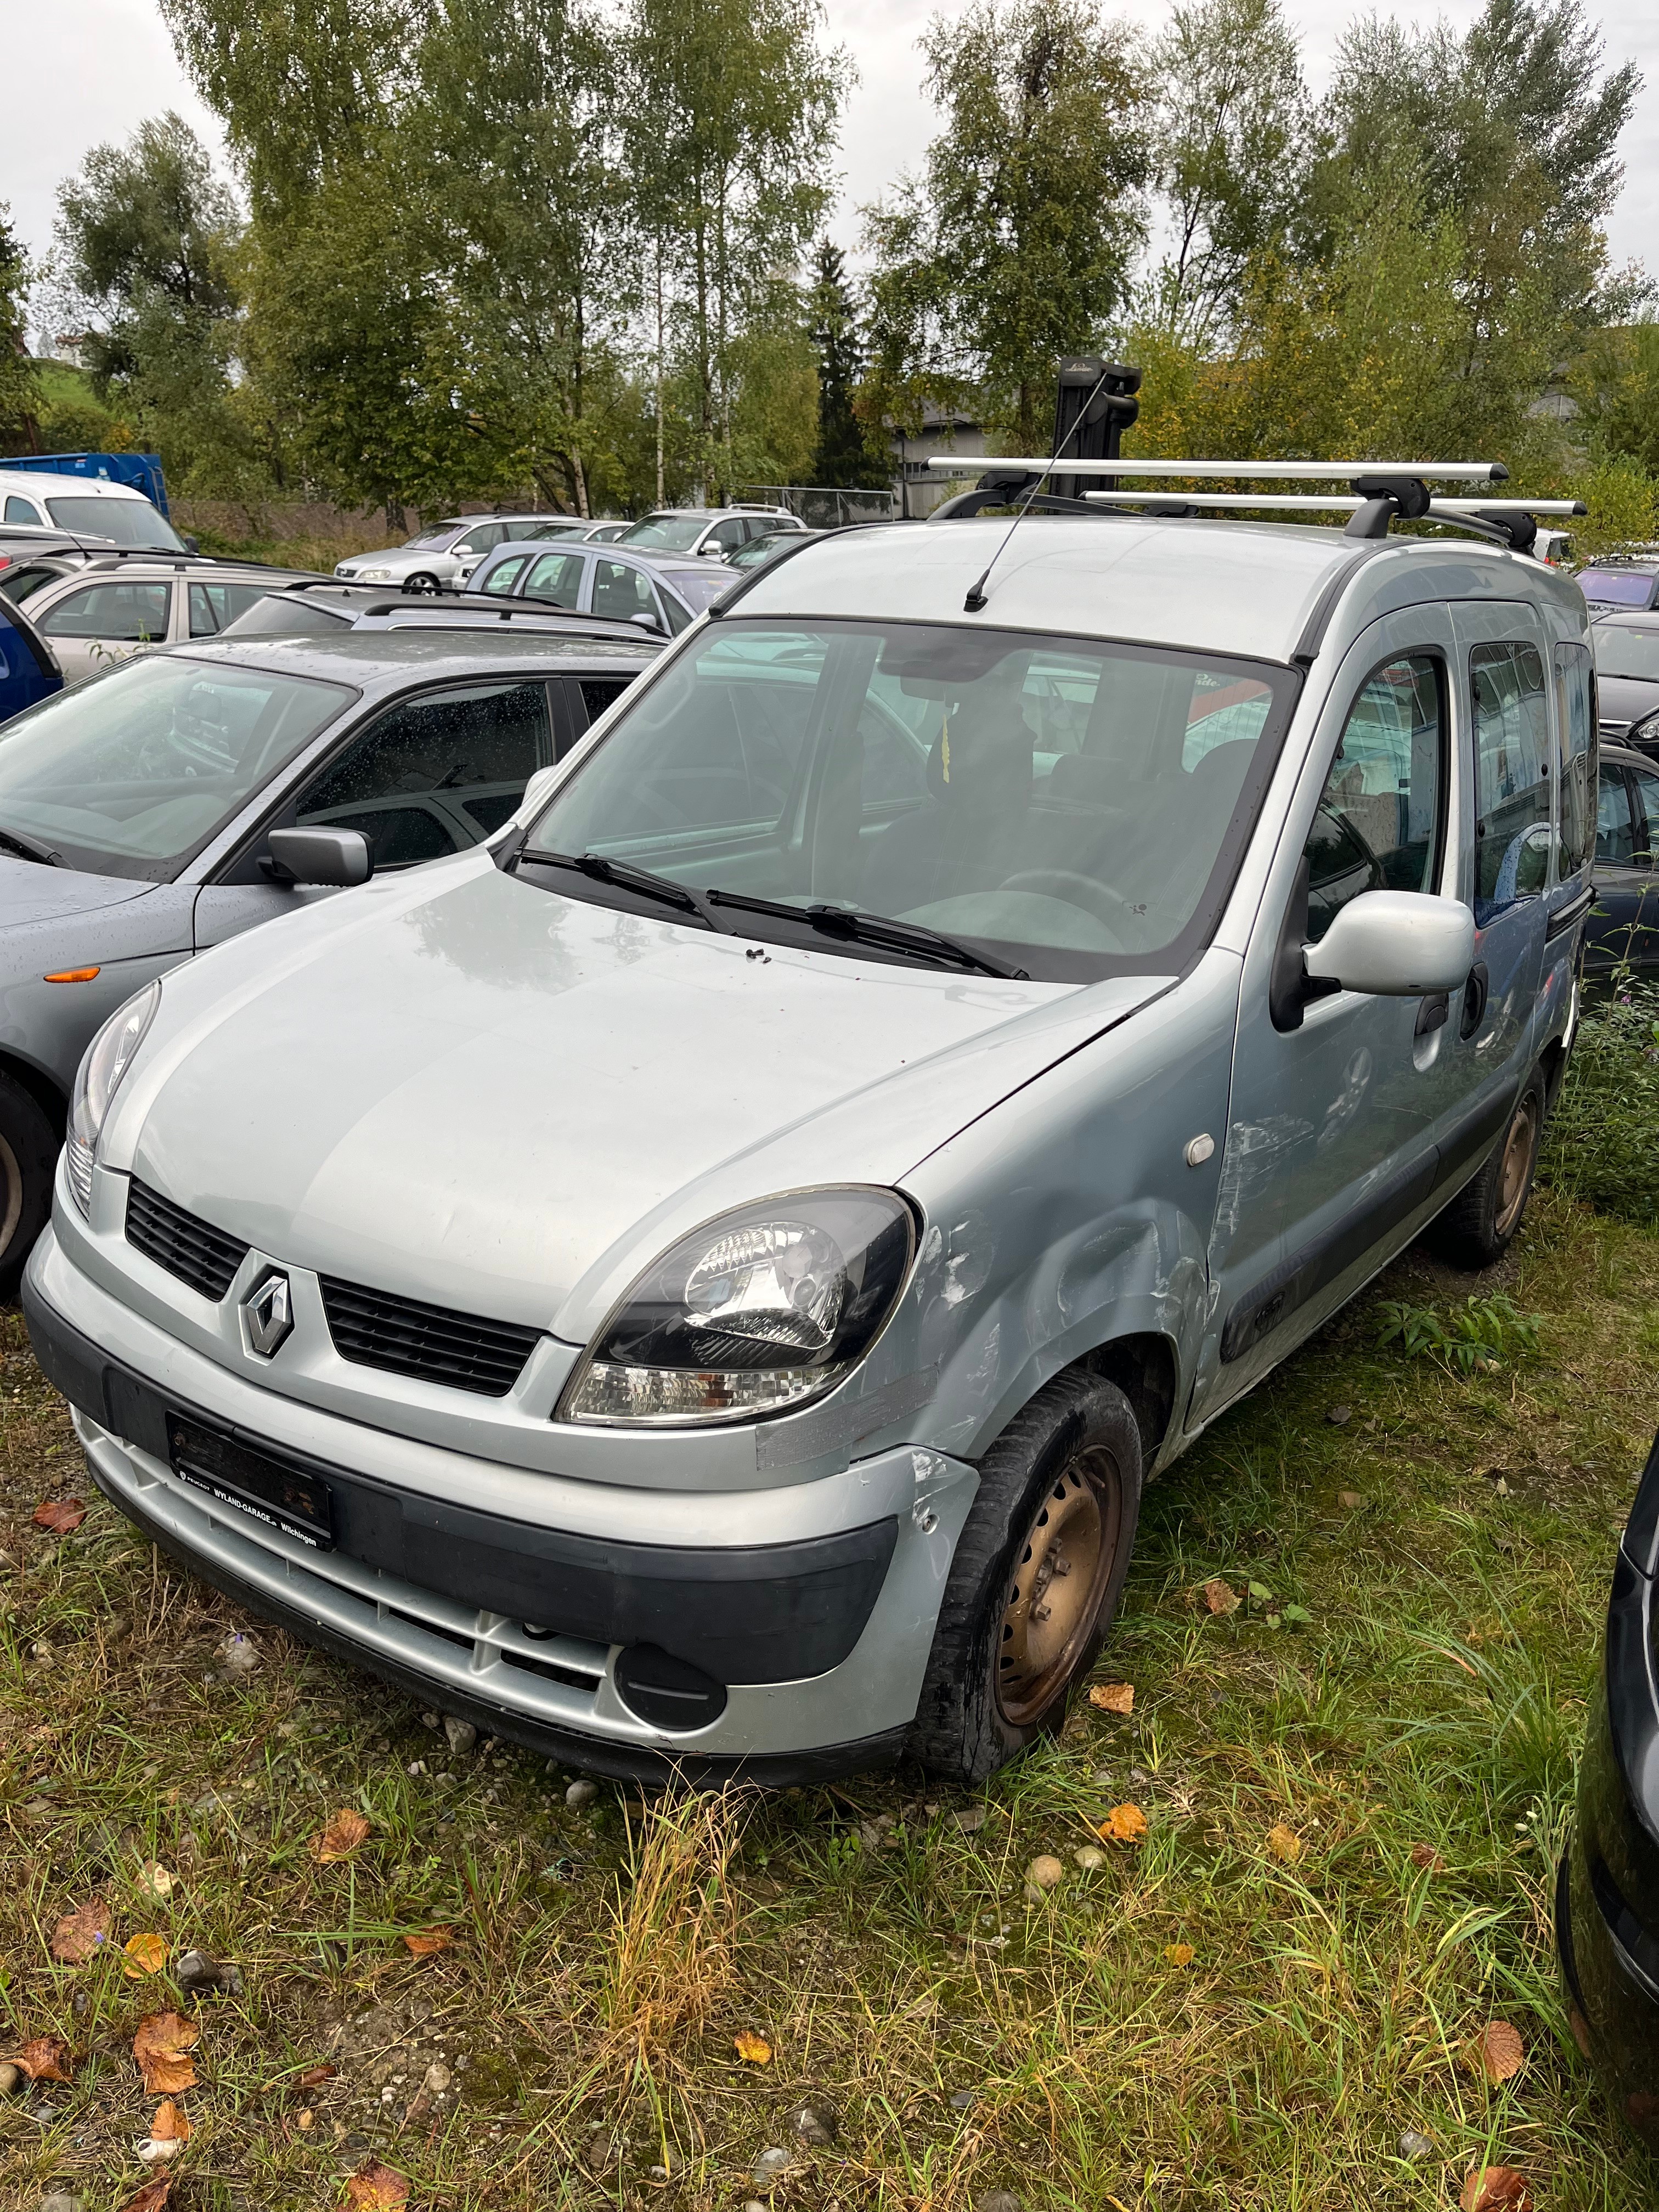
284 1497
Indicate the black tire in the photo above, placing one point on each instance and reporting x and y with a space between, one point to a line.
1479 1225
423 585
29 1155
991 1687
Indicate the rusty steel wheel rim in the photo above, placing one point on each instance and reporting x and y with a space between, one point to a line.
1516 1167
1061 1568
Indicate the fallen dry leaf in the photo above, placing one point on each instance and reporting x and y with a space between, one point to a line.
312 2078
155 1880
80 1932
1499 2052
753 2048
425 1942
1497 2189
1284 1844
151 2197
170 2125
60 1515
376 2188
1348 1499
1426 1856
1114 1697
146 1955
1124 1823
1178 1954
45 2059
346 1832
161 2047
1221 1597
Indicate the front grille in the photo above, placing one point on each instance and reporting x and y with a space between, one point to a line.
375 1329
195 1251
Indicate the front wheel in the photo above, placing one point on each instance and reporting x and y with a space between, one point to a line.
1479 1226
28 1154
1038 1570
423 585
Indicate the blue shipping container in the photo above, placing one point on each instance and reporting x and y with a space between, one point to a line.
142 471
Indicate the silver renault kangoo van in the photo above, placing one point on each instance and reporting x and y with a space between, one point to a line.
703 1277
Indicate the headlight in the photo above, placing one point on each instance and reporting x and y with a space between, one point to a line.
97 1079
753 1313
1644 733
374 575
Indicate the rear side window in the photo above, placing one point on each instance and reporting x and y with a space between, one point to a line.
122 614
1575 691
503 577
1510 709
20 510
556 577
1377 826
599 692
1646 788
214 607
18 583
621 591
435 774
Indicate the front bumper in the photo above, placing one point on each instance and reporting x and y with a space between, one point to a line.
794 1629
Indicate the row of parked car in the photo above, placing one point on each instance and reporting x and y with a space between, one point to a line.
744 1143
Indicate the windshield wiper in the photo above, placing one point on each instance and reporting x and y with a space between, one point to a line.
852 925
602 871
31 848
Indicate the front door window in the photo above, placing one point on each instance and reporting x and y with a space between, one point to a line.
1377 823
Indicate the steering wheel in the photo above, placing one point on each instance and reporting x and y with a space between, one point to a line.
1071 889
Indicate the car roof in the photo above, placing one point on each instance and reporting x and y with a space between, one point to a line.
370 659
21 480
1244 588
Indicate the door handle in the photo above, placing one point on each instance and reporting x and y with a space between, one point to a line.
1474 999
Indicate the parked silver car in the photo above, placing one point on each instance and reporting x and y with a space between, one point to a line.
663 593
709 532
99 611
705 1279
435 558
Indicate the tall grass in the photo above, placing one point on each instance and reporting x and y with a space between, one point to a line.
1602 1145
669 1954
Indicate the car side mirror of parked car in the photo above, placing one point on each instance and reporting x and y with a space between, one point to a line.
538 790
646 623
337 858
193 545
1395 944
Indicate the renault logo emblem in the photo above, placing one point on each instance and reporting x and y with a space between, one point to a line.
269 1311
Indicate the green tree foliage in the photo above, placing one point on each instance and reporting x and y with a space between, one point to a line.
1016 244
1234 144
20 384
842 455
147 240
1615 382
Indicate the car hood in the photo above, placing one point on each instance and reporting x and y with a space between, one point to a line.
400 562
465 1089
32 892
1622 700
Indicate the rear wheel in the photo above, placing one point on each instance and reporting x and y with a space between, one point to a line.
28 1153
1479 1225
1038 1570
422 585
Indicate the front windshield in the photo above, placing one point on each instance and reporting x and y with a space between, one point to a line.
1069 806
131 773
1621 649
122 521
433 541
669 533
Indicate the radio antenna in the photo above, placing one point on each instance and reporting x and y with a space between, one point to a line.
1118 409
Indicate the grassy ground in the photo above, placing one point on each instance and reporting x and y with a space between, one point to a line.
1451 1539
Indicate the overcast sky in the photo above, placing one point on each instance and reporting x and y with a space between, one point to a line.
82 71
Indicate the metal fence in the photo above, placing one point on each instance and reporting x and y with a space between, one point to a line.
822 507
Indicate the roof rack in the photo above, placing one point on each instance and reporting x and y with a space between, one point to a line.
1380 490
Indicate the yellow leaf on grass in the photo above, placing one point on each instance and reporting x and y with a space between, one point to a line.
1178 1954
154 1879
80 1932
422 1942
1114 1697
346 1831
1124 1823
376 2188
755 2048
1499 2052
169 2124
1284 1844
160 2045
45 2058
146 1955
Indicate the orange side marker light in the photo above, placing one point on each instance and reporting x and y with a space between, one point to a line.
72 976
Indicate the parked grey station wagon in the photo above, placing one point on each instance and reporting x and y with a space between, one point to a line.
137 813
703 1277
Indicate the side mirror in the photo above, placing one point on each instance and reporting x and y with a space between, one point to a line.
643 621
336 858
1394 945
537 791
193 545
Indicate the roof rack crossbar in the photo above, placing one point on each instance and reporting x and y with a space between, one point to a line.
1275 472
1324 502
